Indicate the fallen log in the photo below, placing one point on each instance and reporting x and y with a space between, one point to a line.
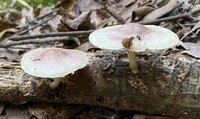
166 85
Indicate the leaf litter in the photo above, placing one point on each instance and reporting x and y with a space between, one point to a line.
90 15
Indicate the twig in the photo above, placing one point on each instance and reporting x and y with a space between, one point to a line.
115 15
40 17
23 32
170 18
71 33
34 41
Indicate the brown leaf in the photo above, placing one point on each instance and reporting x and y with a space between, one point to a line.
26 15
81 21
183 31
37 111
5 24
143 10
87 46
161 11
195 27
54 22
66 4
65 13
13 15
87 5
99 18
9 54
6 31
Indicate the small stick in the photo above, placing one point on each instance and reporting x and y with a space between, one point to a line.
115 15
40 17
23 32
34 41
70 33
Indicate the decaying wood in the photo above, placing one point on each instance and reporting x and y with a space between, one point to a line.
167 85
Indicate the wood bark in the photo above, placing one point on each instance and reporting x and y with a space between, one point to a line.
166 85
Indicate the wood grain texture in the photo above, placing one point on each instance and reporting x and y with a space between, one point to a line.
167 85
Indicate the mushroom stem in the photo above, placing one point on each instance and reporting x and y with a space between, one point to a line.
55 83
132 61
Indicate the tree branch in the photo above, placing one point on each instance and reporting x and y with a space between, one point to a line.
70 33
34 41
24 31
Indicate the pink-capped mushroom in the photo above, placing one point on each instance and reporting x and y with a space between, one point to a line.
53 63
134 38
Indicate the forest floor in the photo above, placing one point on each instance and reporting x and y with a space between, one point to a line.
31 28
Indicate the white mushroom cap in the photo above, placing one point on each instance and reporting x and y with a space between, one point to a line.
53 62
145 37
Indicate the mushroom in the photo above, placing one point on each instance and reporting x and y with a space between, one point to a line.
134 38
53 63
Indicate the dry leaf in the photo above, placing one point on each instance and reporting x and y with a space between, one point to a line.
54 22
192 49
38 111
99 18
143 10
13 15
86 47
27 15
66 4
28 11
65 13
183 31
196 27
5 24
36 30
95 19
9 54
193 52
81 21
185 5
161 11
88 5
188 45
10 30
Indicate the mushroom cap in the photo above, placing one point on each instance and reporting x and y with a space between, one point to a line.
145 37
53 62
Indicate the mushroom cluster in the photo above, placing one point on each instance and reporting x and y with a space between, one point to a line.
134 38
53 63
